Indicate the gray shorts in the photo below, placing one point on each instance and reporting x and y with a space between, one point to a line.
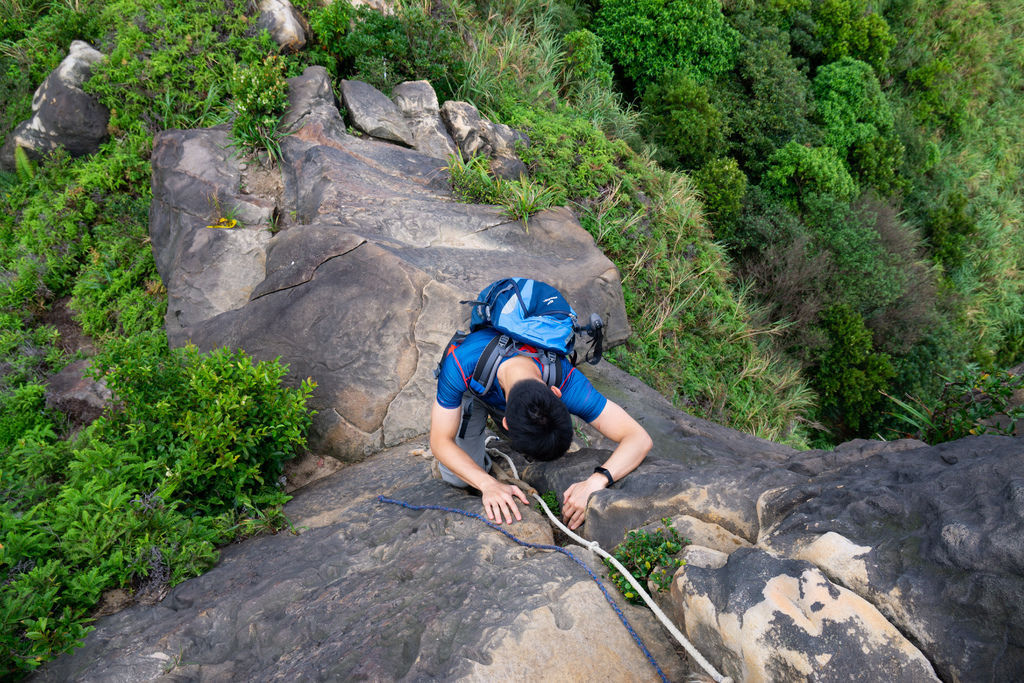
471 437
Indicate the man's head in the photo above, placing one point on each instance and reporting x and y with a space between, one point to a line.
538 423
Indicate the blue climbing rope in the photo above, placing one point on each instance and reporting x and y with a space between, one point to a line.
541 546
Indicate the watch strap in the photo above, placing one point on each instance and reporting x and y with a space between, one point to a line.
606 473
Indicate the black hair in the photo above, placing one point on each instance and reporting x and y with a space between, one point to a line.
539 424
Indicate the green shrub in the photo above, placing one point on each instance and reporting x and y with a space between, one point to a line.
847 28
850 375
585 66
723 185
798 174
260 98
384 50
21 409
219 426
974 403
767 98
648 38
949 228
681 121
859 121
649 557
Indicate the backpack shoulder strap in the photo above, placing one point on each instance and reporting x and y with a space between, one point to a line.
500 347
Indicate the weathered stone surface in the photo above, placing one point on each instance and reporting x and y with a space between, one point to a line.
418 103
360 288
934 537
81 398
374 114
763 618
475 136
63 115
207 269
375 591
286 26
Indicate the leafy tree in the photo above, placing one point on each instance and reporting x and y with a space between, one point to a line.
585 62
723 185
850 374
858 120
647 38
847 28
687 129
797 174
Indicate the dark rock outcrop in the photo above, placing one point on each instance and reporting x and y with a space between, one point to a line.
374 591
79 397
63 115
374 114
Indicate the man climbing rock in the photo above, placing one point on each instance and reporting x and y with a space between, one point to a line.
530 388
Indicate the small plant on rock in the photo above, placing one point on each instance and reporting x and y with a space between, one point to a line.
261 97
649 557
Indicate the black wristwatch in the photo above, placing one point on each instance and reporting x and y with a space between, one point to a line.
611 479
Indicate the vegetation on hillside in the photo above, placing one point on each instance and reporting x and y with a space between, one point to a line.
815 208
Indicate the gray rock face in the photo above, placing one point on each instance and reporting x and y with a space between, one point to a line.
81 398
63 115
760 617
477 136
934 537
285 24
374 114
207 268
360 288
375 591
418 103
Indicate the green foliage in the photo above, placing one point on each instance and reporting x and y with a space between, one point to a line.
768 99
798 174
649 557
949 227
851 376
647 38
472 182
220 426
585 65
858 121
550 499
188 460
23 166
723 185
384 50
681 121
261 97
975 403
21 409
847 28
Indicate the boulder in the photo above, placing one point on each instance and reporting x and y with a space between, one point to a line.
374 114
207 266
63 115
79 397
372 590
418 103
286 26
764 618
476 136
360 288
934 537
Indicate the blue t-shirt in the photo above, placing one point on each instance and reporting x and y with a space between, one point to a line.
578 394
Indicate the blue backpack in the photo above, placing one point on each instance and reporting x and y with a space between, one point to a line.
527 313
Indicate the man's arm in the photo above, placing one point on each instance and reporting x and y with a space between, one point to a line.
634 443
498 498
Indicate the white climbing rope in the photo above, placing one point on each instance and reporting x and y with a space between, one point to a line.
595 547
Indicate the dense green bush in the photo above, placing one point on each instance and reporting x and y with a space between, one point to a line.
681 121
848 28
261 97
851 376
949 227
723 186
647 38
585 65
798 175
189 459
386 49
858 121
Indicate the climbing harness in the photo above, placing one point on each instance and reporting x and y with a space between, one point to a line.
595 547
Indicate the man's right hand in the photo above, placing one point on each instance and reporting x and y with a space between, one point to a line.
499 500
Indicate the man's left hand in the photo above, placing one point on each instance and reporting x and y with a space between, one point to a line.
574 500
